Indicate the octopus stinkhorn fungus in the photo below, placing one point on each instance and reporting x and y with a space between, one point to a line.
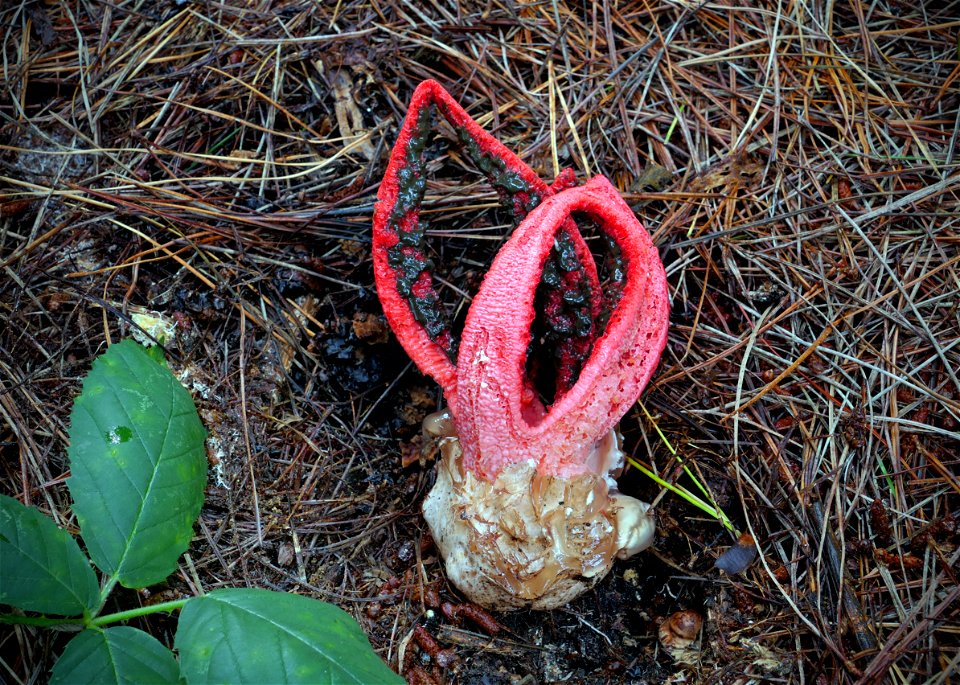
525 510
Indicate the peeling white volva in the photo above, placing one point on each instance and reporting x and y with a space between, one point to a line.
528 540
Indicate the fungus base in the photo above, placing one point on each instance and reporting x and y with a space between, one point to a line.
527 540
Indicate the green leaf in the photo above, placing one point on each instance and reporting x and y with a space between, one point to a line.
259 636
41 566
138 463
155 352
115 655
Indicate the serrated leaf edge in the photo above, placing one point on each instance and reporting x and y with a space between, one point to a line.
120 356
70 590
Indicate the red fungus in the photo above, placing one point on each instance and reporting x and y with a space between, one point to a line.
524 510
500 419
402 268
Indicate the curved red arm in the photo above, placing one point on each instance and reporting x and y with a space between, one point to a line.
402 269
499 419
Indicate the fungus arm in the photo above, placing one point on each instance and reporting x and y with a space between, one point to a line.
402 268
499 419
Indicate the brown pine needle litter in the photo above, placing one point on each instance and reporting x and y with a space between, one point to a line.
215 165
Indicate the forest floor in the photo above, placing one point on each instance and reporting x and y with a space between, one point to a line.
797 164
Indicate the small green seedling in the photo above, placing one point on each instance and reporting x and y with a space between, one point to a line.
708 506
138 474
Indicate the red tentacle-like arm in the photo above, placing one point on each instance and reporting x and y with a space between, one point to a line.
402 268
493 402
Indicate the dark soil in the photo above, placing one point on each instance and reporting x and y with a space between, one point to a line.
219 166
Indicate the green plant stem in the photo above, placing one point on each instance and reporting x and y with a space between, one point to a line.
105 592
673 125
712 508
39 620
715 512
136 613
45 621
